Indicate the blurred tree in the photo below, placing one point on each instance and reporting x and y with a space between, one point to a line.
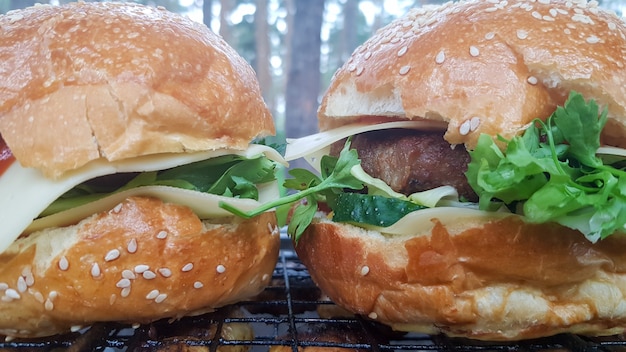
304 77
263 52
225 24
207 12
349 37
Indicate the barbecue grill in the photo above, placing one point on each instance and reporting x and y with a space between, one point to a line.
289 315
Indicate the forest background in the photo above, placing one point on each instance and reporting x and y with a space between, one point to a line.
294 46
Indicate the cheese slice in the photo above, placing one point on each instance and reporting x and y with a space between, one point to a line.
305 146
421 221
26 192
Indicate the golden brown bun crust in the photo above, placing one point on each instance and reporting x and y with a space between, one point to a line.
110 79
75 275
503 280
503 64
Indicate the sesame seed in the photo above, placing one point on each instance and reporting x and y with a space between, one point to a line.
160 298
220 269
536 15
532 80
352 67
29 278
593 39
368 55
3 286
95 270
11 293
612 26
464 129
112 255
123 283
359 70
441 57
148 275
404 70
365 270
553 12
373 315
48 305
53 294
490 35
522 34
125 292
38 296
165 272
63 263
161 235
403 51
117 208
491 9
187 267
548 18
128 274
75 328
139 269
474 51
474 123
21 284
152 294
198 284
132 246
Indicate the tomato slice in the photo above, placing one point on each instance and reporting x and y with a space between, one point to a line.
6 157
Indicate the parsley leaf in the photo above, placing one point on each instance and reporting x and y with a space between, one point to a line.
552 170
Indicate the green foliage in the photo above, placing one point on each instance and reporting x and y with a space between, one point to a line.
552 172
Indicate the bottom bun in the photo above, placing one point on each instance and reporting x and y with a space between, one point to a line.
139 262
497 280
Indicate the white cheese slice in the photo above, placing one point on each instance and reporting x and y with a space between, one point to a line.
421 221
301 147
26 192
205 205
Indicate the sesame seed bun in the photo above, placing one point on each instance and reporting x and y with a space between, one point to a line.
110 79
485 67
481 67
139 262
87 87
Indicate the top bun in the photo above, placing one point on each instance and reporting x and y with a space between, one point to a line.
84 81
485 67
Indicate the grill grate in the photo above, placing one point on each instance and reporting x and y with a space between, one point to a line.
288 315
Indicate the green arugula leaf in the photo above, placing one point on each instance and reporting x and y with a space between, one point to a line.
228 175
335 177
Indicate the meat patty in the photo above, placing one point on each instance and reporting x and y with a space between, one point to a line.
412 161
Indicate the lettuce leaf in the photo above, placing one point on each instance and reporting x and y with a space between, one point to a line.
552 170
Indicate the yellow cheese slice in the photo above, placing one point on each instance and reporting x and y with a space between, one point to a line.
26 192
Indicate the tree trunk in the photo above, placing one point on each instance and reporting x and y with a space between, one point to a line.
303 79
225 30
207 12
263 53
349 38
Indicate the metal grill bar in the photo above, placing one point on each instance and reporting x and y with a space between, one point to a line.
287 316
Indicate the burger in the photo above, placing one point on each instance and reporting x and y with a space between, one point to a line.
122 129
470 173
